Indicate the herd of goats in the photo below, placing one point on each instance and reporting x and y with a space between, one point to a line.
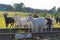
37 24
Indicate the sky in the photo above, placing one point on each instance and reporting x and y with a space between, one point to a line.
37 4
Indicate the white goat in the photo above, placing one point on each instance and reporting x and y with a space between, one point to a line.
20 21
38 23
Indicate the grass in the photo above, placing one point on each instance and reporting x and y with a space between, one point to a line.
22 14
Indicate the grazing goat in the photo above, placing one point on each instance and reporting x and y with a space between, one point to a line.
8 20
20 21
38 23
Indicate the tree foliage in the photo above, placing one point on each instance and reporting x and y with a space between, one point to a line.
18 7
58 10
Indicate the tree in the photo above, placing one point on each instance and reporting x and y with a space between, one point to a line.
19 7
58 10
53 10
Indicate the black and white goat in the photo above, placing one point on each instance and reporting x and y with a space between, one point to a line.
8 20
